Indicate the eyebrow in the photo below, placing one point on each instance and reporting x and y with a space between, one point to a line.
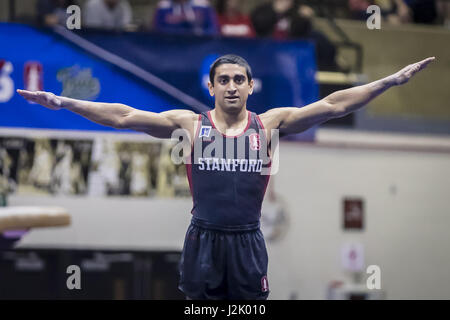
235 75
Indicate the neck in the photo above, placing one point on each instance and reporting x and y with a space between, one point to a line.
229 120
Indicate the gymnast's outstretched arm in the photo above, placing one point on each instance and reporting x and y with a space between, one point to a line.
117 115
338 104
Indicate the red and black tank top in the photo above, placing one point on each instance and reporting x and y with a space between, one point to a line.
228 175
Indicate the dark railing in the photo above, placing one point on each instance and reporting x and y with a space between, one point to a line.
329 9
11 10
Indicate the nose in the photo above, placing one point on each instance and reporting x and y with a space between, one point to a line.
231 87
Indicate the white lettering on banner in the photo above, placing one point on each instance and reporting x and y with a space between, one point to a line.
33 76
6 83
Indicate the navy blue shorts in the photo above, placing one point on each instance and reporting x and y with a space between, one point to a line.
226 263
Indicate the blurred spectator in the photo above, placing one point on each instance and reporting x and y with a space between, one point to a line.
288 19
275 19
358 9
422 11
107 14
394 11
53 12
443 7
232 21
397 11
314 8
401 13
186 17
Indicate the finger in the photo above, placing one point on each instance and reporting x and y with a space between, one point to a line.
425 62
416 67
27 94
21 92
429 59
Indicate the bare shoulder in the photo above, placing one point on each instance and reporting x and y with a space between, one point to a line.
181 117
177 115
184 119
271 119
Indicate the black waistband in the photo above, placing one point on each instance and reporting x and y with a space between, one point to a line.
233 228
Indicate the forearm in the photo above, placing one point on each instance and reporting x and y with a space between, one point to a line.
347 101
107 114
115 115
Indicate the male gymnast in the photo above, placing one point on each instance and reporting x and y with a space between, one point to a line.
224 254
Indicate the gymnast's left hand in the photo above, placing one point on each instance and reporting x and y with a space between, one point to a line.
403 76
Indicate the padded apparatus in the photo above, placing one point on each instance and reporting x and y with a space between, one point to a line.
15 218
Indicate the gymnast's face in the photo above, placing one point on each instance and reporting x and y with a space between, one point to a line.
231 87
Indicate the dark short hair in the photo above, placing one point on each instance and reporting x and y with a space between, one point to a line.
229 59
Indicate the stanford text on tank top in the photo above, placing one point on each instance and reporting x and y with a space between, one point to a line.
228 175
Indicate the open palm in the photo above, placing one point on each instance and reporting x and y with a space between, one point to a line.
46 99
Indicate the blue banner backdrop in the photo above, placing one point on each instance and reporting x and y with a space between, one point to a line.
41 59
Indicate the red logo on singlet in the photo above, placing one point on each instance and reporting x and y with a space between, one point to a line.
264 284
255 143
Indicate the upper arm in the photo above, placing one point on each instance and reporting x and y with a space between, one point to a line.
160 125
295 120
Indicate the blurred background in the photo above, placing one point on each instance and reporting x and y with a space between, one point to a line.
368 189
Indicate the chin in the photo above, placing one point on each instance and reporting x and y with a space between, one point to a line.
234 108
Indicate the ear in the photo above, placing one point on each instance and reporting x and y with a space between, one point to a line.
211 89
251 84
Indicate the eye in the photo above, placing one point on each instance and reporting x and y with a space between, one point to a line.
223 81
239 79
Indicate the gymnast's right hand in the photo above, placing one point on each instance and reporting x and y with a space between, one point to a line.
46 99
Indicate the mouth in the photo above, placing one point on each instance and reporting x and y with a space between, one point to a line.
232 98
